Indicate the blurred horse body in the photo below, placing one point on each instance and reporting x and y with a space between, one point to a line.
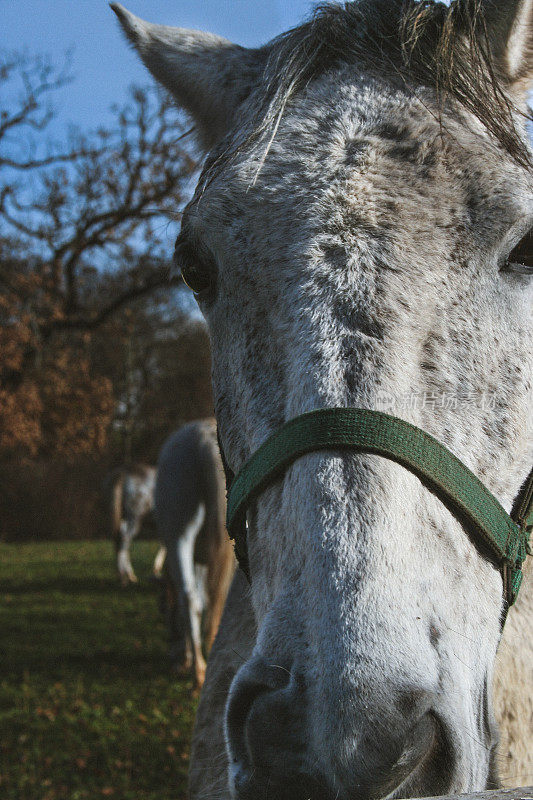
189 509
130 497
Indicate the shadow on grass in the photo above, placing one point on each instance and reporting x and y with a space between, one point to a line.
92 667
88 626
83 585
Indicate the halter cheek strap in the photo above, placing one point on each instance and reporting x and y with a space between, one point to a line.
501 537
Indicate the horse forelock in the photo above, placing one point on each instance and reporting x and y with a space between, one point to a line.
415 45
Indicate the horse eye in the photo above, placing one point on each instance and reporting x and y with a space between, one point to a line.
195 264
521 258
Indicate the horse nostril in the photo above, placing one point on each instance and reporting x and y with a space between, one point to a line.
266 735
255 679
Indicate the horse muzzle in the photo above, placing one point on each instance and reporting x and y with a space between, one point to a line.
272 752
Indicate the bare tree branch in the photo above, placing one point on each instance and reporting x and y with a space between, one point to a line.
84 245
38 79
104 204
48 161
90 323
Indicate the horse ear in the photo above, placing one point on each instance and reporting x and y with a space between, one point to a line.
510 30
207 75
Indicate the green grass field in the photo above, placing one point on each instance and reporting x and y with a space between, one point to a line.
88 708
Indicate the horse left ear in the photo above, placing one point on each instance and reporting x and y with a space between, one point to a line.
208 76
510 31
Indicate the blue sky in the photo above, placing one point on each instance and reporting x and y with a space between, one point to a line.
102 64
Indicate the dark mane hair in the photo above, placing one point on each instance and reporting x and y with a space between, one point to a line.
418 43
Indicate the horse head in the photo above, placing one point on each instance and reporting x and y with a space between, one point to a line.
360 237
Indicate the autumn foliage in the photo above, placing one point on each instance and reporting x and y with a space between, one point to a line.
102 353
53 401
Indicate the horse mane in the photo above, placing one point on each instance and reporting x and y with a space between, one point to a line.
414 43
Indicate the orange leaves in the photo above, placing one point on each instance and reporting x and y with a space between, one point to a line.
20 419
52 399
16 331
49 713
56 405
77 405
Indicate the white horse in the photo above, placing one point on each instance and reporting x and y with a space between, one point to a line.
362 230
129 497
190 508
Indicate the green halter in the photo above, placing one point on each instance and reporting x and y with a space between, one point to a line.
501 537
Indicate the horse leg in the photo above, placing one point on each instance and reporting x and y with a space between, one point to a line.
219 576
170 605
128 531
180 565
159 561
200 576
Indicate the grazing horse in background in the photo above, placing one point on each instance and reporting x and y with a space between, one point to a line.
129 493
190 508
362 230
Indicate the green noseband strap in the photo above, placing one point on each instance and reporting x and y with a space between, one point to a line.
502 538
